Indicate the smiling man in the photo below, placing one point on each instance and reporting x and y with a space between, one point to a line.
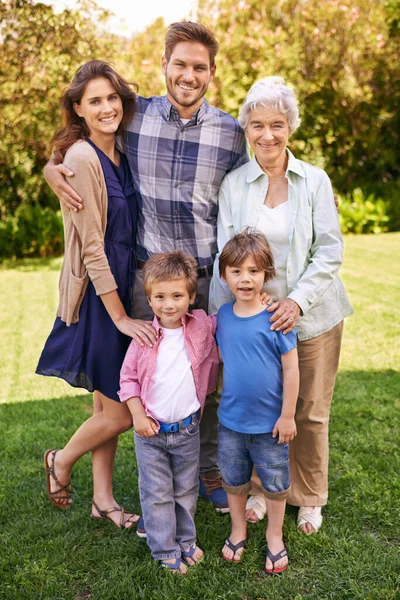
179 149
187 73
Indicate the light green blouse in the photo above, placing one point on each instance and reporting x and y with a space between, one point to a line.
315 242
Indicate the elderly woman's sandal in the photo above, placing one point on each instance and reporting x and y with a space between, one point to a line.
62 496
258 505
311 515
104 515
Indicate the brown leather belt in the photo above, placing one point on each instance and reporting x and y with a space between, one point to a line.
206 271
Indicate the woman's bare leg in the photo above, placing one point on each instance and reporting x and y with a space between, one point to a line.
103 458
103 463
110 419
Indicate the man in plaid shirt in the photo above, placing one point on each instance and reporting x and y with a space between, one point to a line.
179 149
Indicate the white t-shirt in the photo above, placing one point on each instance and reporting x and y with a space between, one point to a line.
274 223
172 393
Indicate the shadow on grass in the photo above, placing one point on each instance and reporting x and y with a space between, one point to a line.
52 554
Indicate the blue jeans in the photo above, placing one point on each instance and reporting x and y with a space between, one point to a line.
168 486
238 452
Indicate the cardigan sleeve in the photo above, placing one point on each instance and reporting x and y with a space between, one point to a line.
90 222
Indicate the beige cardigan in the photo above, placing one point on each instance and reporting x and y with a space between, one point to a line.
84 232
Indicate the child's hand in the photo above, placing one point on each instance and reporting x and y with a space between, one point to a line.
286 427
145 426
265 298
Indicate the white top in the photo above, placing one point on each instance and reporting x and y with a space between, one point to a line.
172 393
315 241
274 224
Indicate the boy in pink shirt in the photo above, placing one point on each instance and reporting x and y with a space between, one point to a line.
165 387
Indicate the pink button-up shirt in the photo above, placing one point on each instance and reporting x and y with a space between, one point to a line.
140 361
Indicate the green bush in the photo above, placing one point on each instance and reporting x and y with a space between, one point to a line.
30 232
391 191
360 214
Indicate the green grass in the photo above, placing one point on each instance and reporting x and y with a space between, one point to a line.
53 555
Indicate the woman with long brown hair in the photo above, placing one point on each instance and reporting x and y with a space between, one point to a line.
93 330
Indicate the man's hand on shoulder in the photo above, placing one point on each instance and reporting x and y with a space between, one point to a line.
55 175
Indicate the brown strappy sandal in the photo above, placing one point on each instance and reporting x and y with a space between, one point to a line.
105 516
55 496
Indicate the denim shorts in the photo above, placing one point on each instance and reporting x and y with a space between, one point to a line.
239 452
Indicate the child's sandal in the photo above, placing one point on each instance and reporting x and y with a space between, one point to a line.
235 548
189 554
274 558
175 566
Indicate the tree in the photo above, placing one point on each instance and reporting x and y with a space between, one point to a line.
39 52
140 59
342 59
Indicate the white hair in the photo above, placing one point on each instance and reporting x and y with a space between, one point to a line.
271 92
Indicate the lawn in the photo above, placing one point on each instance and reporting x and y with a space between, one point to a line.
50 554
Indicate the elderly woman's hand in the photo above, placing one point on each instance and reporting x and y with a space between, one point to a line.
287 312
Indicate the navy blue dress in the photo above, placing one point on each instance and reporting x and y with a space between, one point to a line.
89 354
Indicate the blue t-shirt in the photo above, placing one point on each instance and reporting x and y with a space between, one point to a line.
251 399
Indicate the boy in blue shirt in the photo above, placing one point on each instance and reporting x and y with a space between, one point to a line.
258 400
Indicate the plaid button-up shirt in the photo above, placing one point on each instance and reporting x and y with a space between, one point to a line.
177 170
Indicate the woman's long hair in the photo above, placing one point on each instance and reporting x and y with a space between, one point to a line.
75 127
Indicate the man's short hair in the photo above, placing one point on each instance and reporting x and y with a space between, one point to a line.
249 242
187 31
169 266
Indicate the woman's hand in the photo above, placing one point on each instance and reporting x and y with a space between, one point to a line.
141 331
286 315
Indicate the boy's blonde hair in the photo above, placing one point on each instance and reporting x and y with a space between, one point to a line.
249 242
168 266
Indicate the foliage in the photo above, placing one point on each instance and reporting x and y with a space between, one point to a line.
33 230
360 214
52 554
341 56
39 52
140 59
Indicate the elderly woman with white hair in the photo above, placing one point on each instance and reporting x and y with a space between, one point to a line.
292 203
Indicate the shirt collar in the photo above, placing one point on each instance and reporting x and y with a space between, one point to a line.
170 113
184 319
254 171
